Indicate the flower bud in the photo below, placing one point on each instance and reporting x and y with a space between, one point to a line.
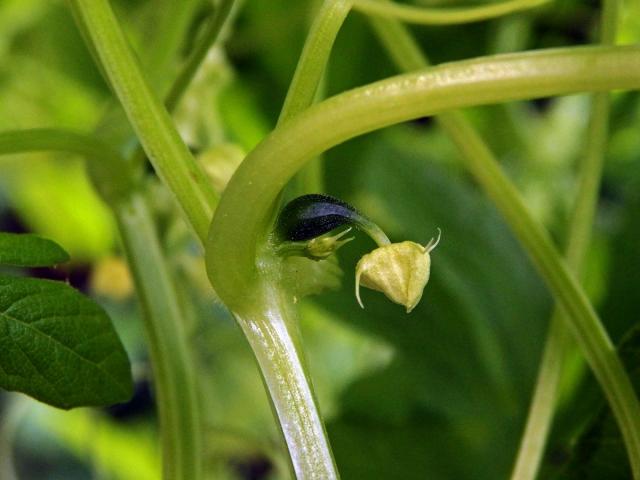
399 270
220 162
322 247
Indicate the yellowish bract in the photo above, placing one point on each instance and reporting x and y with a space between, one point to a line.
399 270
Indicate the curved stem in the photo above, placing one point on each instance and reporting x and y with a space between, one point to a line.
174 378
443 16
109 170
449 86
543 403
150 120
256 184
175 385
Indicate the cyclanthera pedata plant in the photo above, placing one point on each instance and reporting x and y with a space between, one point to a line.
269 235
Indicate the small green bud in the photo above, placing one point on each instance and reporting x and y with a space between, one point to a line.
399 270
318 248
322 247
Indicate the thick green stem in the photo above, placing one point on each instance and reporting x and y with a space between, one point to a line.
174 379
545 394
150 120
443 16
251 194
268 322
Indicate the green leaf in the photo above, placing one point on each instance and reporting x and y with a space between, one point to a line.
26 250
58 346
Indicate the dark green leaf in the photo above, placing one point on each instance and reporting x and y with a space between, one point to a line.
26 250
58 346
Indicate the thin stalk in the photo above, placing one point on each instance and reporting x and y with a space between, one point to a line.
150 120
168 24
47 139
252 191
105 164
443 16
314 57
190 67
308 78
174 380
543 403
545 393
408 56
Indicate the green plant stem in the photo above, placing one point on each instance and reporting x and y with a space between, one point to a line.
150 120
43 139
409 57
307 79
543 403
115 178
443 16
251 194
174 378
266 314
545 394
175 384
190 67
270 326
314 57
169 23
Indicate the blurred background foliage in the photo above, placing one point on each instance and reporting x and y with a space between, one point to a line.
441 393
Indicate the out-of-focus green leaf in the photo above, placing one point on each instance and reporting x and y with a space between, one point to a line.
599 452
25 250
58 346
453 401
47 79
124 451
54 199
